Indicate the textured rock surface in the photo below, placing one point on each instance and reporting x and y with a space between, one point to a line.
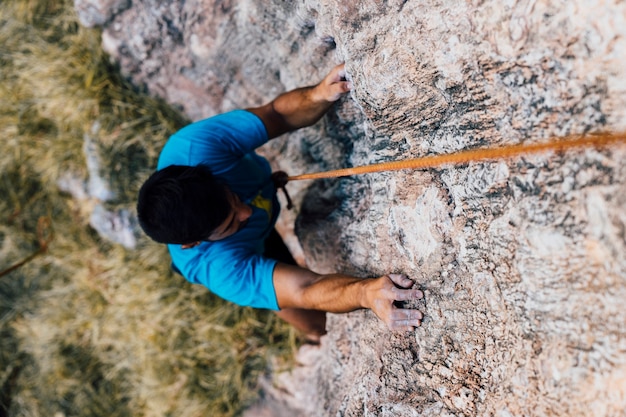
522 261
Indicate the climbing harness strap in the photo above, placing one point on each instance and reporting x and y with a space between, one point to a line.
280 179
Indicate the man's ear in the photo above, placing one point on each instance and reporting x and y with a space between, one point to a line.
190 245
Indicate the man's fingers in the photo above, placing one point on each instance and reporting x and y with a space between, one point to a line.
405 314
404 319
344 86
399 294
401 280
338 73
405 328
407 322
336 90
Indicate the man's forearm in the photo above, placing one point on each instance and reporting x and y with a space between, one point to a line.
336 293
301 288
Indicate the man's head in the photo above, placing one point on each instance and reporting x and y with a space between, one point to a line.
183 204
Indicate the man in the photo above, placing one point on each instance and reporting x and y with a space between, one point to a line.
213 202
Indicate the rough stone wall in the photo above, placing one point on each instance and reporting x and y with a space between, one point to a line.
523 262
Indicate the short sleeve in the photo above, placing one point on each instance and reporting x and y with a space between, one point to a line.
245 280
233 273
219 141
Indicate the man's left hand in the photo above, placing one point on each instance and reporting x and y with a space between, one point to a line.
381 295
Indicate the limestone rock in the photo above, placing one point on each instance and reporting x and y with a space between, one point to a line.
118 225
522 261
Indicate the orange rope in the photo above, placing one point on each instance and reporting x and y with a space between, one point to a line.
601 139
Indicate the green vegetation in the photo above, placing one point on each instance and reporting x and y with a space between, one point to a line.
89 328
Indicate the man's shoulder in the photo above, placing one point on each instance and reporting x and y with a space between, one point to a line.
227 135
231 120
234 246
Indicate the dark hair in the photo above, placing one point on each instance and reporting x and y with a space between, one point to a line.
182 204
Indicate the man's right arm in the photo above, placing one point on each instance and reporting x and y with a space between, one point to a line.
336 293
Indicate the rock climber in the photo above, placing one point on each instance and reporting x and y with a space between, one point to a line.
213 202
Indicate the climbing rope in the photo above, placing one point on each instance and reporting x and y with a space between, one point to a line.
281 179
474 155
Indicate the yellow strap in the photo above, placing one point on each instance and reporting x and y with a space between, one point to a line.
600 139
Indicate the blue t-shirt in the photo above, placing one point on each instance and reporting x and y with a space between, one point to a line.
233 268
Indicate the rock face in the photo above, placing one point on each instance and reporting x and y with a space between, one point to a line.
523 262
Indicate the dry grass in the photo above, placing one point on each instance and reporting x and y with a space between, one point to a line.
89 328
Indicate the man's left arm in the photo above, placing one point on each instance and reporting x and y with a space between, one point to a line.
337 293
303 106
